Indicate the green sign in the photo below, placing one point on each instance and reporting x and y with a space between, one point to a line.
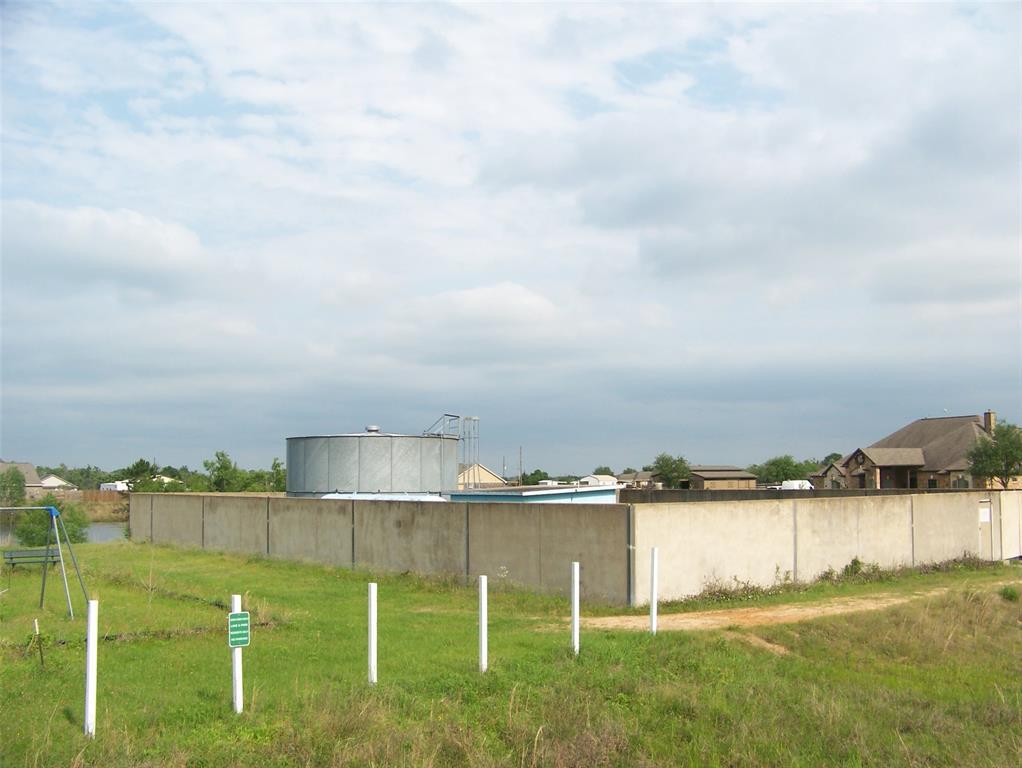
237 629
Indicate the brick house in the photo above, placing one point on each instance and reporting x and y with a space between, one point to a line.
928 453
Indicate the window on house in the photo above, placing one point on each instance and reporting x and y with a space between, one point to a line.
931 483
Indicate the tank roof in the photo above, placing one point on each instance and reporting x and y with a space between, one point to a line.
370 435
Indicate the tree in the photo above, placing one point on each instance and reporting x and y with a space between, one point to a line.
998 457
34 525
224 474
140 472
628 471
278 476
830 458
603 471
533 478
671 469
781 468
12 487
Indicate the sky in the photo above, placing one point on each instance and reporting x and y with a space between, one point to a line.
726 232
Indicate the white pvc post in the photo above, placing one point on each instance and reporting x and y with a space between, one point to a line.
63 570
91 639
574 607
238 687
653 589
372 633
483 619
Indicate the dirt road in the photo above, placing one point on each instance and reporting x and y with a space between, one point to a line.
759 616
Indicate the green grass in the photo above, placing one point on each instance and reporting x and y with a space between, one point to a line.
932 682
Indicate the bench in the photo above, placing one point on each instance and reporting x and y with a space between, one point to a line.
13 557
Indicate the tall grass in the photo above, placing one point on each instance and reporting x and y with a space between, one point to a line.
932 682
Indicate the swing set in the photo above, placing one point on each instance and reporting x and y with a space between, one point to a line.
44 556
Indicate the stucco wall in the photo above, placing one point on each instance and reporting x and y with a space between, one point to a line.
705 542
761 542
1011 524
946 525
830 532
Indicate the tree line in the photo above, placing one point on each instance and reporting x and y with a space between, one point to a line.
997 458
221 473
672 471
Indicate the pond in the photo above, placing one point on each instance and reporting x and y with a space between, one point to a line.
100 533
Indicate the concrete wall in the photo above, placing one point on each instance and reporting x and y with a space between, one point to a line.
506 542
759 542
535 544
177 519
312 529
236 524
422 537
140 516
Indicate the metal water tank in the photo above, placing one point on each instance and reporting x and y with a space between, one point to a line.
371 462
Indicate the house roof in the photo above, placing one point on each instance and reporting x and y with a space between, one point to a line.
52 477
26 469
732 473
895 457
700 468
837 465
635 477
944 442
478 473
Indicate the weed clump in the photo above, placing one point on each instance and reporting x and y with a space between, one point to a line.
855 572
1009 593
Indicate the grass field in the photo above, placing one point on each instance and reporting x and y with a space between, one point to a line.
937 681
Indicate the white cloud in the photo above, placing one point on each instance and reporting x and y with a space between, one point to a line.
544 214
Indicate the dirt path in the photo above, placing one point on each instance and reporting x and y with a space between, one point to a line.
756 617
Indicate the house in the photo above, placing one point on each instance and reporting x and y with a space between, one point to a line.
928 453
831 476
33 485
721 477
478 476
598 480
53 482
643 479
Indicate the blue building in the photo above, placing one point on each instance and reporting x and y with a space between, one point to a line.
540 494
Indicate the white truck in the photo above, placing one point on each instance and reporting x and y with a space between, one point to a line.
796 485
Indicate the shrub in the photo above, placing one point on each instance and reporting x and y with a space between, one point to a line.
12 488
1009 593
34 525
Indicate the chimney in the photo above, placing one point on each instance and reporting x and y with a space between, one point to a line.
989 422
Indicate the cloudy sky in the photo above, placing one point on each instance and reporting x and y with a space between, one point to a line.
727 232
